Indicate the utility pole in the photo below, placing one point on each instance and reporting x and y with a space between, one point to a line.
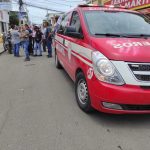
20 11
20 5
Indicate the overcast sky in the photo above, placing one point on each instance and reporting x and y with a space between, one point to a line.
37 15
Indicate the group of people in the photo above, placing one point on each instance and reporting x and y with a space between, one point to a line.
34 40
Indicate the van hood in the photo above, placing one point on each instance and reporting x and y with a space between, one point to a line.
123 49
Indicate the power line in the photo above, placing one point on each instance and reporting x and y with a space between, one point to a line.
31 5
74 1
40 7
56 3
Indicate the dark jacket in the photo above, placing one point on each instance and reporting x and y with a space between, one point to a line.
38 36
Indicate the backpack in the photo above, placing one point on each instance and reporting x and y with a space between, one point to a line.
38 36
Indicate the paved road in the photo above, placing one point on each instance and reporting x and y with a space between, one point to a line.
38 111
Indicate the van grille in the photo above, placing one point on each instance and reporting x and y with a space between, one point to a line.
140 71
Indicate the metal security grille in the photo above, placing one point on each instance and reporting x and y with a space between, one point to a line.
141 71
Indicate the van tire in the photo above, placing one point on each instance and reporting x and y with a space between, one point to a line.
57 62
82 94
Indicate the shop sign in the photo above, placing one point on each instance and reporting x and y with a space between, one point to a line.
129 3
5 6
4 16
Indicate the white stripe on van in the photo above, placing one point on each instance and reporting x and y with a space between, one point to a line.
58 38
83 60
83 51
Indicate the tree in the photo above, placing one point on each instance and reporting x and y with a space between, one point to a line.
13 18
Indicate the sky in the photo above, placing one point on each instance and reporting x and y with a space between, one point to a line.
37 15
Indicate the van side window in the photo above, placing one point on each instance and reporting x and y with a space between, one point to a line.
64 23
75 22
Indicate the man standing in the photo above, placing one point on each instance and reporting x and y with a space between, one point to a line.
25 41
30 49
15 36
48 36
44 38
38 41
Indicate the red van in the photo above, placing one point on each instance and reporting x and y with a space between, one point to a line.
106 52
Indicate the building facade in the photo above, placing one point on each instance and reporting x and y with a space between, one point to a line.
4 21
5 7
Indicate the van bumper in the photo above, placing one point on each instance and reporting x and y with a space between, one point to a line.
132 99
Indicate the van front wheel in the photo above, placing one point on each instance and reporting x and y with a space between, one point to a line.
82 94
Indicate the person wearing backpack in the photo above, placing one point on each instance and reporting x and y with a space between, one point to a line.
30 49
38 41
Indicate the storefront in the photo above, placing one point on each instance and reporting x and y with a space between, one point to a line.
139 5
4 21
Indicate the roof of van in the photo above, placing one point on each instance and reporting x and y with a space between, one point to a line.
104 7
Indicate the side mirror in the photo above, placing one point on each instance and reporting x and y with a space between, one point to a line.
71 32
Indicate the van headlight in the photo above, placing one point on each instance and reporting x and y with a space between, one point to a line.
104 70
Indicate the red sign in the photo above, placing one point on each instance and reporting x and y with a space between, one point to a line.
129 3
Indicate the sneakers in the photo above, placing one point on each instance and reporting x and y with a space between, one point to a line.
49 56
27 59
37 55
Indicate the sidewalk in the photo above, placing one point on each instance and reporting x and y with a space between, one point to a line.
1 48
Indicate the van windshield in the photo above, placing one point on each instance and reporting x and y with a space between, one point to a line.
118 24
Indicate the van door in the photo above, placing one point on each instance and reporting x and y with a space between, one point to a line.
60 39
74 44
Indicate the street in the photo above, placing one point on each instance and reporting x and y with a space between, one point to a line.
38 111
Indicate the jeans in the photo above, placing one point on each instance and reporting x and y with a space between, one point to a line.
30 47
44 45
37 48
16 49
49 46
26 50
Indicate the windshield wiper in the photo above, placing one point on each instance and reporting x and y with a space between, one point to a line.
124 35
111 34
140 35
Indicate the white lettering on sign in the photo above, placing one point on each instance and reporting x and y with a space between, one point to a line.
131 44
130 3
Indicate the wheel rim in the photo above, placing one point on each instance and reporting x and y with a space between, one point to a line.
82 92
